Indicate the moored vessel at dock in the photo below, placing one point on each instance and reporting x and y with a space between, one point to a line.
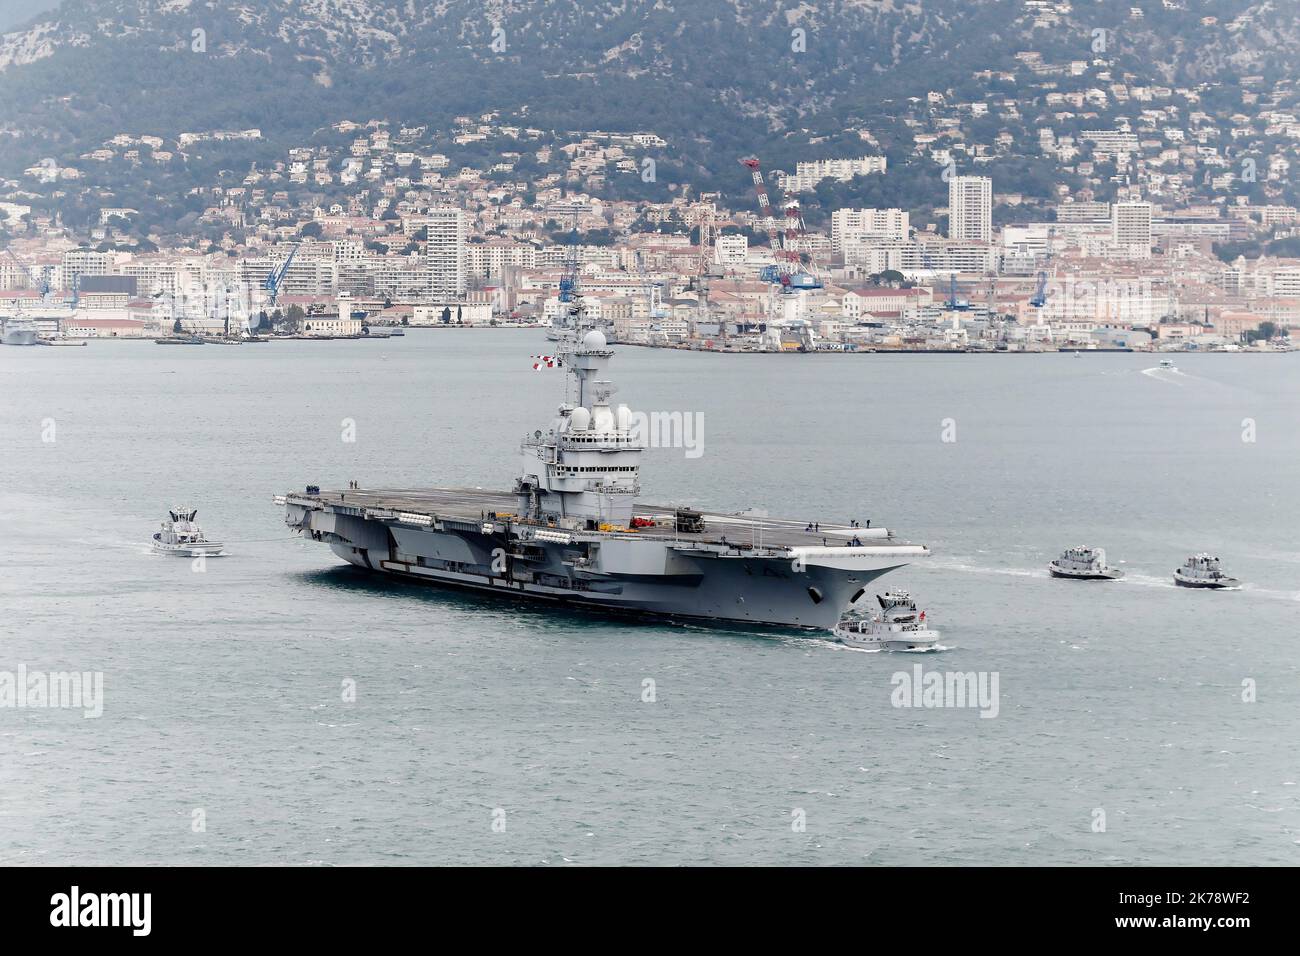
19 331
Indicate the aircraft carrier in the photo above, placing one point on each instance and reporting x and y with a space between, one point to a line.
571 531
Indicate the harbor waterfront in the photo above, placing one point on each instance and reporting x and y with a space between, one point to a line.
384 333
1173 711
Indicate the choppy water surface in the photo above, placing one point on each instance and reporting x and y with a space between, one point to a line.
223 688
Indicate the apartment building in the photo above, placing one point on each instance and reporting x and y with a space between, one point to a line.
489 260
860 224
970 208
84 262
731 250
808 175
445 252
1131 229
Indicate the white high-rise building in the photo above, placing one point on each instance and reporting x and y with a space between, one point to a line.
445 253
731 250
84 262
970 208
808 175
849 225
491 259
1130 228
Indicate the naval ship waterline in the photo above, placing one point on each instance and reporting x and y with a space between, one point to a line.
572 533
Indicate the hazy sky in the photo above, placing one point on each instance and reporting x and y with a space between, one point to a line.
14 12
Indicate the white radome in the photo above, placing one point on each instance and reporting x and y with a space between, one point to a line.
595 339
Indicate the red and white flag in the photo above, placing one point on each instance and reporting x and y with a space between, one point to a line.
543 361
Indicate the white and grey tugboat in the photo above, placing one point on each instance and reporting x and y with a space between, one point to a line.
899 626
572 533
179 535
1203 571
1084 564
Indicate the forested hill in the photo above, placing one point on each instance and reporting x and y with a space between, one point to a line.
716 78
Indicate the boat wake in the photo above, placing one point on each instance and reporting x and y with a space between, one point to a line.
153 552
1269 593
1164 374
1148 580
1130 578
933 649
977 569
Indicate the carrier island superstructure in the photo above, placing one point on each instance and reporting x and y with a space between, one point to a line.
572 532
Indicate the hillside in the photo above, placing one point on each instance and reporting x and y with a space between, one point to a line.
716 78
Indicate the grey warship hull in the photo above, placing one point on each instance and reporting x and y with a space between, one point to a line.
735 569
19 337
572 532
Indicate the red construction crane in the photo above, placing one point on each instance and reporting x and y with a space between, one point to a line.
788 257
794 231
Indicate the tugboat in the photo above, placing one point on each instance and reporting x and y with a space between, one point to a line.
181 536
898 627
1203 571
1084 564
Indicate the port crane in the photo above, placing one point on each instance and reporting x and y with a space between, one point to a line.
703 273
569 281
42 278
788 269
1039 298
955 304
276 278
18 303
651 287
796 235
